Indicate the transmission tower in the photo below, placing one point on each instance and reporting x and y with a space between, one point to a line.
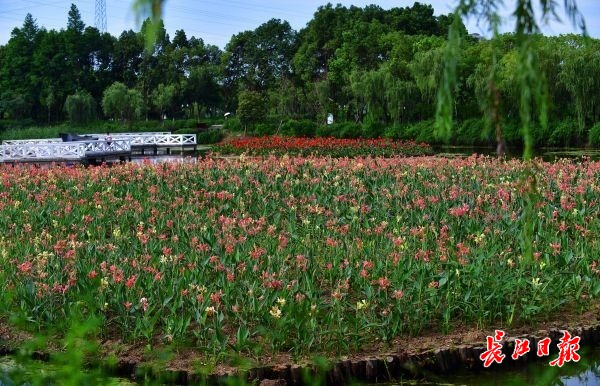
101 15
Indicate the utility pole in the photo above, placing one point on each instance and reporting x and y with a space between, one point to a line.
101 15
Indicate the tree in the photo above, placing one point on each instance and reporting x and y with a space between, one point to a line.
18 74
259 59
531 83
74 22
163 98
121 103
127 57
80 108
14 105
252 108
579 75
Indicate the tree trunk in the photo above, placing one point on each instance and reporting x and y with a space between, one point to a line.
500 142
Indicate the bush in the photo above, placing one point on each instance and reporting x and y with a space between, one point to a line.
8 124
232 125
181 124
302 128
563 133
471 132
594 135
511 132
372 130
209 137
323 131
394 132
421 132
351 130
262 129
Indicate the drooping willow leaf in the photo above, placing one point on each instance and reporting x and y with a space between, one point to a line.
151 9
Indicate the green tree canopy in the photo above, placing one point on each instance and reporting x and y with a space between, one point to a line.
119 102
80 108
252 108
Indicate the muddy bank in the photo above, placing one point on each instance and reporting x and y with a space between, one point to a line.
405 358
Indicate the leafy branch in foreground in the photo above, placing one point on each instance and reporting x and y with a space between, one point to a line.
151 9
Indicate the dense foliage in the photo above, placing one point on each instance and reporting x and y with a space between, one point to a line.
293 253
367 66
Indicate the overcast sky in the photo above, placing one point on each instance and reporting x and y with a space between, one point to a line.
215 21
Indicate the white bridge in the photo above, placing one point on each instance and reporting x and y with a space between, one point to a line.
121 145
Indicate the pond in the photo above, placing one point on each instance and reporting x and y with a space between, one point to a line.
547 154
586 372
34 372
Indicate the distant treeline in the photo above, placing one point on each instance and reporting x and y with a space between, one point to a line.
376 71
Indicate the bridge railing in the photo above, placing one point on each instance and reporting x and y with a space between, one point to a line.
101 137
164 139
32 141
55 149
117 135
62 150
149 138
114 146
42 151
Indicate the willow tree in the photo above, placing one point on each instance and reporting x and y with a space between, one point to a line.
533 99
579 75
531 84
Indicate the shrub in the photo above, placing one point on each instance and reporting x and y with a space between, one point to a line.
182 124
302 128
563 133
264 129
232 124
594 135
471 132
421 132
209 137
511 131
372 130
395 132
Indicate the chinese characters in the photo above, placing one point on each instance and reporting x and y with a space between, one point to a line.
568 346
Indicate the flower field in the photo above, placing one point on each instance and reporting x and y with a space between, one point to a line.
295 254
333 147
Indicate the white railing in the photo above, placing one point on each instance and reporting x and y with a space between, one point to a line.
57 151
100 137
115 135
42 151
114 146
54 149
150 138
32 141
161 139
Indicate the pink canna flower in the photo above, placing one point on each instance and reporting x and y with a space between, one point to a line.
383 283
144 304
131 281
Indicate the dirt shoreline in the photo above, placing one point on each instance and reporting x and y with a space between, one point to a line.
406 356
